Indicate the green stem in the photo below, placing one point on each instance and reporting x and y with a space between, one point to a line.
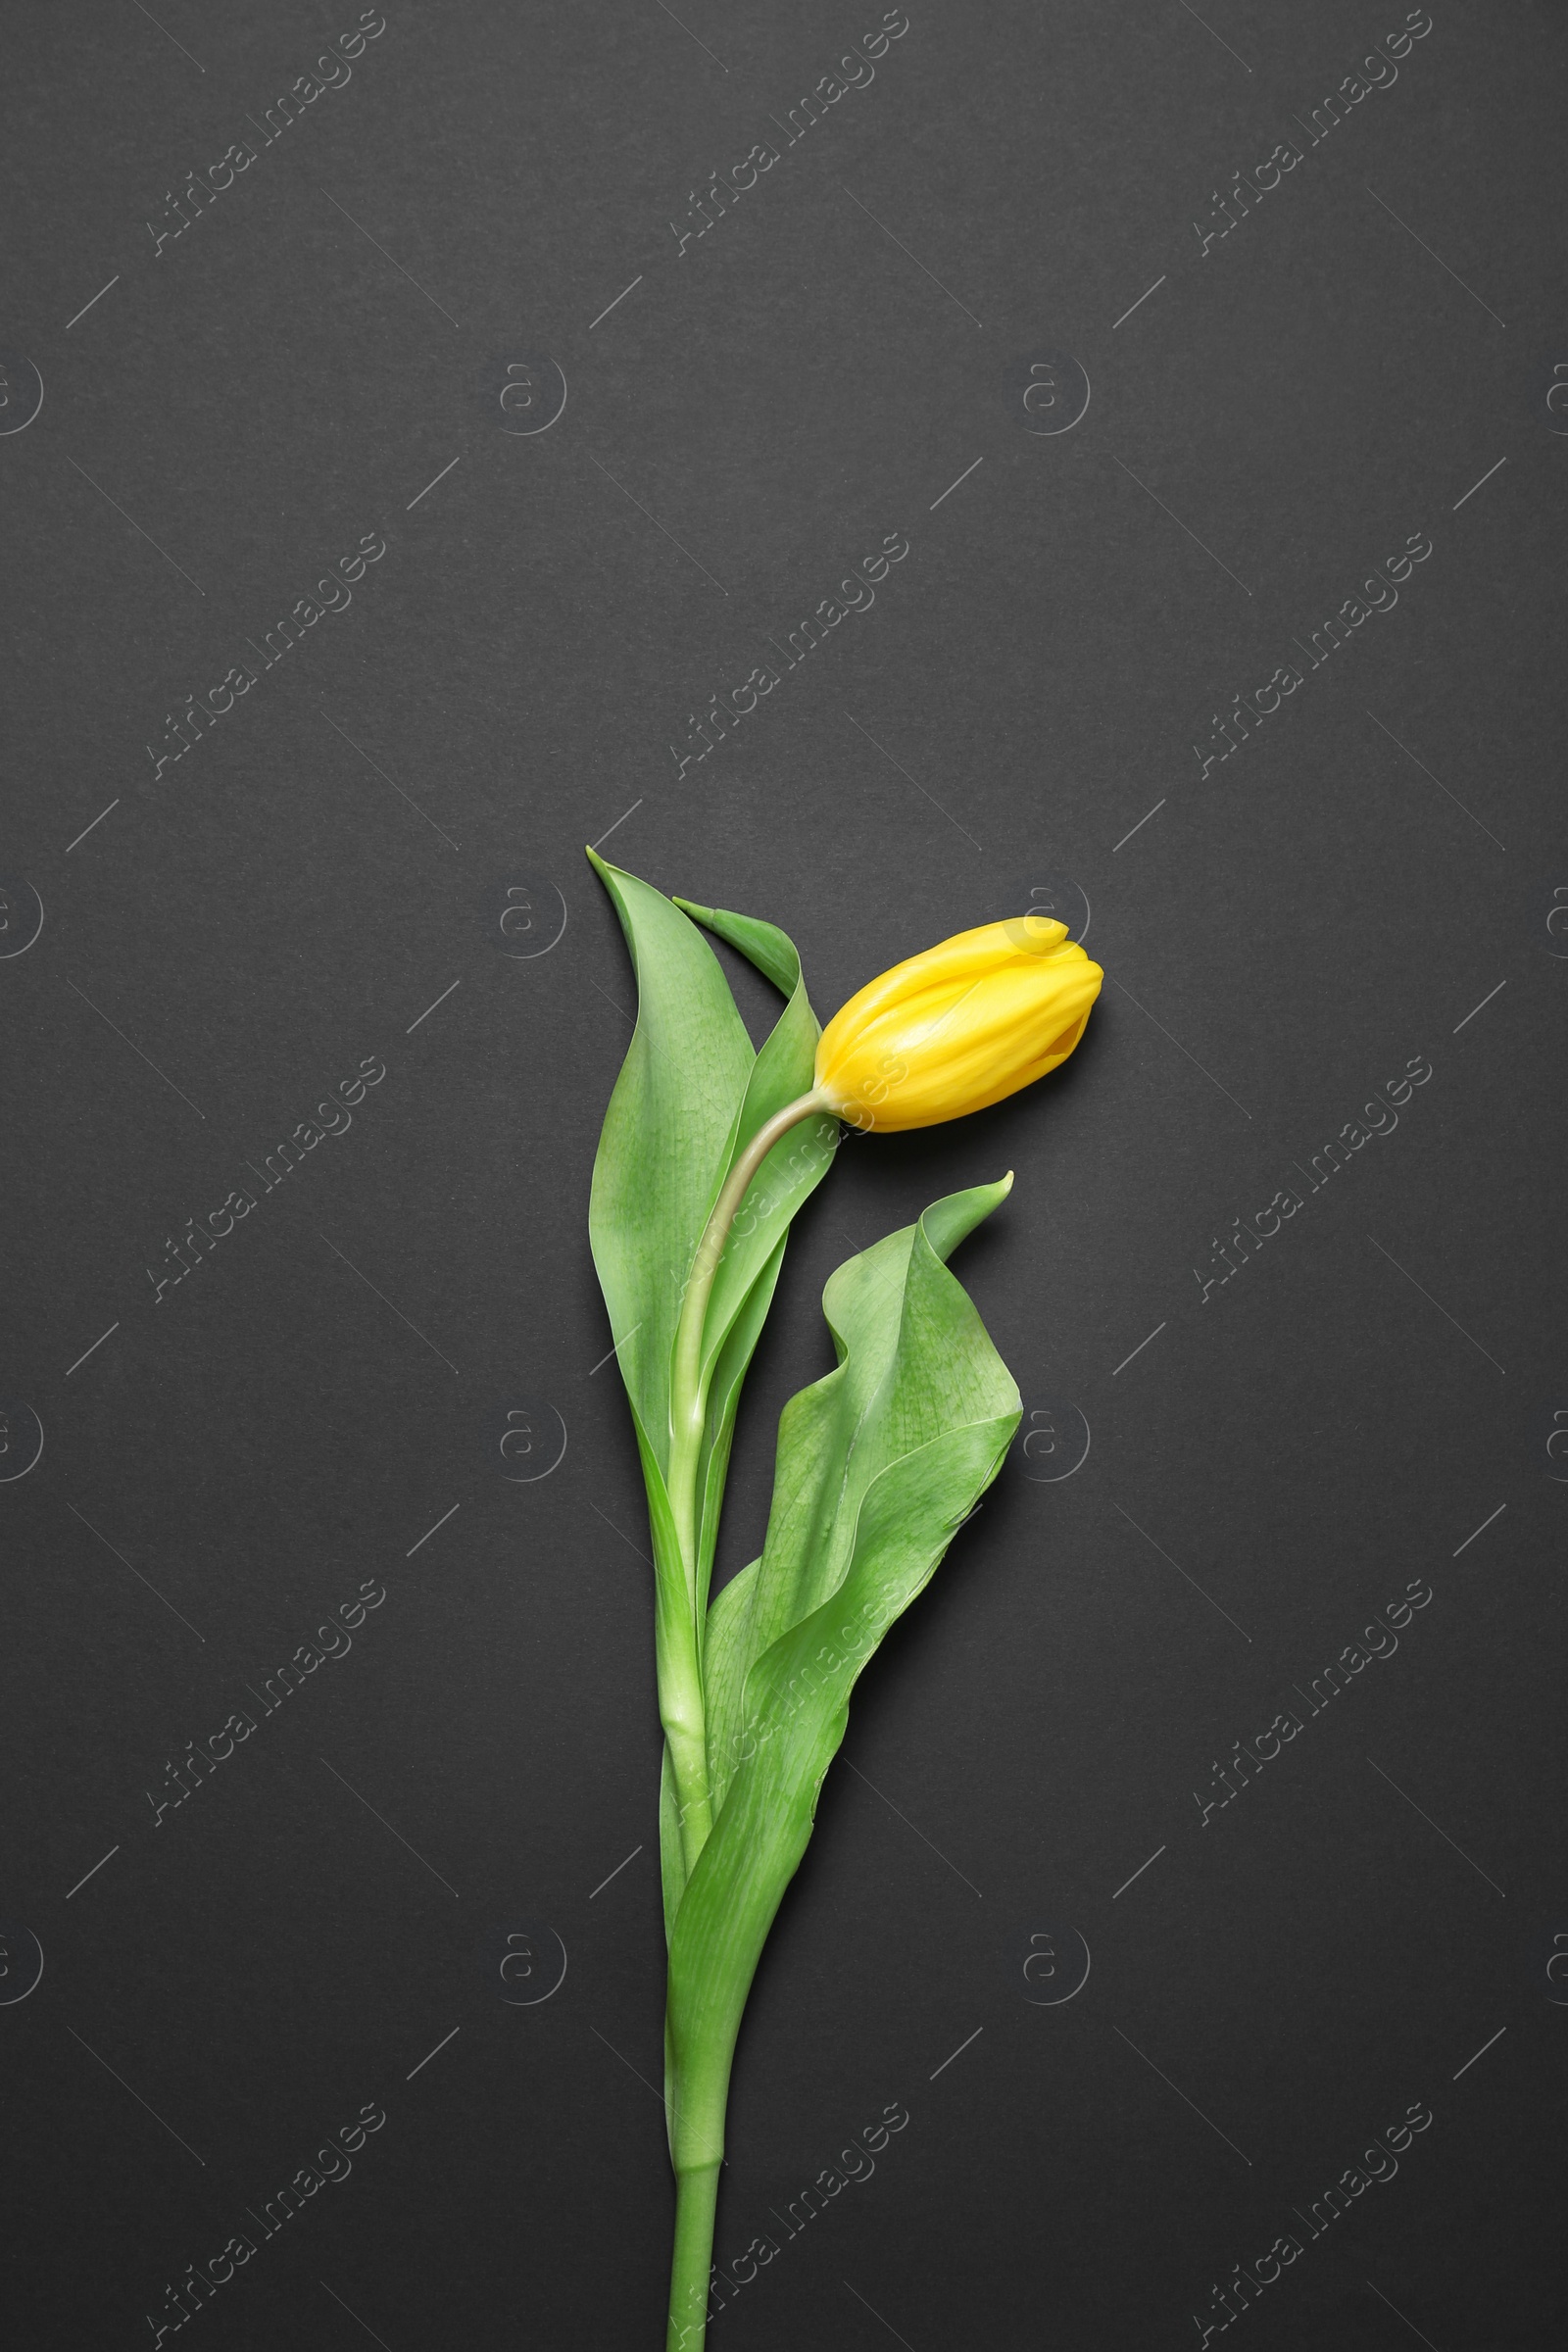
697 2112
688 1386
696 2201
681 1699
699 2094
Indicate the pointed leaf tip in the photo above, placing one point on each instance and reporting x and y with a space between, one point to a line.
948 1222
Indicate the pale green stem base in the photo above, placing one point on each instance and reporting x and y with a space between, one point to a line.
696 2202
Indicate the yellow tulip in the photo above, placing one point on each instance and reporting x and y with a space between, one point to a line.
958 1027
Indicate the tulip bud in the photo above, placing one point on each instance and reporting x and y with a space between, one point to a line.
963 1025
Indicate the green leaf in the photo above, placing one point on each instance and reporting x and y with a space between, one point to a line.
666 1142
913 1359
690 1097
878 1464
763 943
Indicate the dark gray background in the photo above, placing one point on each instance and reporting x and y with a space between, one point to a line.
1285 933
